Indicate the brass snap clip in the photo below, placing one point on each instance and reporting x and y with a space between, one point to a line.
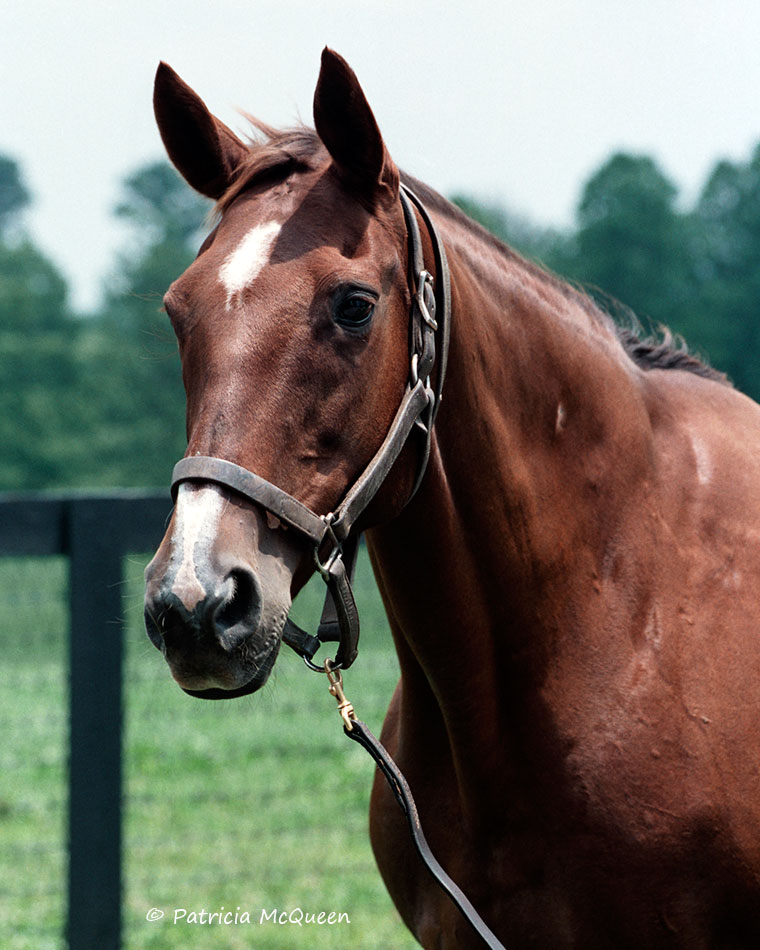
345 708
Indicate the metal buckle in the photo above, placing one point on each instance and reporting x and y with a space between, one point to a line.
414 377
424 279
323 568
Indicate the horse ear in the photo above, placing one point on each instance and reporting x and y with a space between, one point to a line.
347 127
204 151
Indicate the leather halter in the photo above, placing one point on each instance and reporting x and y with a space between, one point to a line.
331 535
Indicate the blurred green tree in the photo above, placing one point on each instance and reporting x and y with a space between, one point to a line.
39 428
14 195
98 401
135 373
631 242
639 256
546 246
726 254
161 206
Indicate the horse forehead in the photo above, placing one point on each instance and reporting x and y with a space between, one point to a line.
274 242
248 257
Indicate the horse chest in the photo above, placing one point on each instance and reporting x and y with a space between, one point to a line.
615 844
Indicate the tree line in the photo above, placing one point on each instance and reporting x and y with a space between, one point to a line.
96 400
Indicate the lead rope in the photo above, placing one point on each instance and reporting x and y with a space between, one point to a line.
360 732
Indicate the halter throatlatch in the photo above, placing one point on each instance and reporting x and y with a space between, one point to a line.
334 542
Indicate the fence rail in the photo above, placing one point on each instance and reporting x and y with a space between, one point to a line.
94 532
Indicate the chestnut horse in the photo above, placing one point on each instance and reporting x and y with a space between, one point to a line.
573 591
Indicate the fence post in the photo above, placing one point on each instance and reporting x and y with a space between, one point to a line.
96 646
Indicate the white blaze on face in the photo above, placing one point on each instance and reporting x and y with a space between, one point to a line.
243 265
196 521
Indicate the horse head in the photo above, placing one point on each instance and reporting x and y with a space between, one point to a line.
293 332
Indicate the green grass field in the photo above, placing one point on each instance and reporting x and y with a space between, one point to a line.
254 805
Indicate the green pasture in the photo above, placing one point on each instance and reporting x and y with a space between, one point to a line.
242 807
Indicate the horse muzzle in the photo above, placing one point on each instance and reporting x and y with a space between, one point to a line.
216 600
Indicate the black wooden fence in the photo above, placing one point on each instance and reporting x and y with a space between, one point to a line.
94 532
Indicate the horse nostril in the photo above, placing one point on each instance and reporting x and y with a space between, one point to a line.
224 617
240 608
165 621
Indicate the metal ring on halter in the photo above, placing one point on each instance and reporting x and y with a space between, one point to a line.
320 669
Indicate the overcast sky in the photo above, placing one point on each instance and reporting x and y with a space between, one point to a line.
516 101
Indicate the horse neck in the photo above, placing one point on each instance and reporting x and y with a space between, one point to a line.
540 403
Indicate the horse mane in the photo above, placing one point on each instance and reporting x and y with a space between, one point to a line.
657 350
275 153
661 350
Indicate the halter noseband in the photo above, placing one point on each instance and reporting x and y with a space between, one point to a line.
429 340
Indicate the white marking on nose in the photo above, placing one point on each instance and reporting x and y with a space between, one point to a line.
196 521
243 265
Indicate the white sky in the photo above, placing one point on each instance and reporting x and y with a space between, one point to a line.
517 101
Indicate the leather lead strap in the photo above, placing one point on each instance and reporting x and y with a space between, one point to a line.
361 733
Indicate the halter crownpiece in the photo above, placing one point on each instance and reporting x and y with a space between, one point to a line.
335 546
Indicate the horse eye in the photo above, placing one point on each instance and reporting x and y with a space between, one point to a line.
355 310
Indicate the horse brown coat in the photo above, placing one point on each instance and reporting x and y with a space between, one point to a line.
572 593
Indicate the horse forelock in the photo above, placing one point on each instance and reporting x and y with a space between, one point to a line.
273 154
